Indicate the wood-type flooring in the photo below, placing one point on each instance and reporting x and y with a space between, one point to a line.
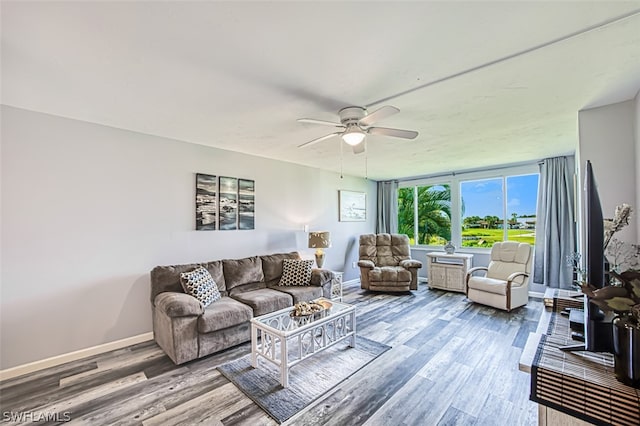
452 362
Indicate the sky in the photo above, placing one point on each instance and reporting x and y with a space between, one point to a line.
484 197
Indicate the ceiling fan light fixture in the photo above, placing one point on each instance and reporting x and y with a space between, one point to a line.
353 135
355 124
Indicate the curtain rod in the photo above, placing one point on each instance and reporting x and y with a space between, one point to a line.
463 172
483 169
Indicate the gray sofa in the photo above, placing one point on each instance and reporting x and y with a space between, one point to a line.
249 288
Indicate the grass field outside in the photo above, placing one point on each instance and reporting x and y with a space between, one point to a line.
476 237
485 238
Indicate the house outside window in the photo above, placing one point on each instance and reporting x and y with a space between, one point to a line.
474 210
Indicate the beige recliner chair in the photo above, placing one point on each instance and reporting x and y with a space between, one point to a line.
385 263
505 284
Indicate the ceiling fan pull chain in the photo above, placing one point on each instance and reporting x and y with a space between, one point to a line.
366 161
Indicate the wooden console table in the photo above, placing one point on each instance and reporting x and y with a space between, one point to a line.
447 271
573 388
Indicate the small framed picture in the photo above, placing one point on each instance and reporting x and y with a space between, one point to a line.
353 206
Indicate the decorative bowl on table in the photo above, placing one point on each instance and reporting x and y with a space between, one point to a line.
325 304
305 312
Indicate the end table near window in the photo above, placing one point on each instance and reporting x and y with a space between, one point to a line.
448 271
336 286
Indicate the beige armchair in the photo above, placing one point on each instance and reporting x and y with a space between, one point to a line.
505 283
385 263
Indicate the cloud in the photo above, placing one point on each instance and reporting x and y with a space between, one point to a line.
514 202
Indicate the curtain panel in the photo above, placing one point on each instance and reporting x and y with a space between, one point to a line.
387 219
555 223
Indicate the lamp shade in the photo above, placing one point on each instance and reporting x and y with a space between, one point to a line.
320 239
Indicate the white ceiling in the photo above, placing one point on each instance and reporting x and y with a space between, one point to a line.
237 75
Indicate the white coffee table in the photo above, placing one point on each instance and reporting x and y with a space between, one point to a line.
285 341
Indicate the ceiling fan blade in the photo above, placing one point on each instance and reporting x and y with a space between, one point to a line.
396 133
378 115
359 149
320 139
323 122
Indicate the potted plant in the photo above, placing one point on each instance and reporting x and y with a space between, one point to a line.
623 298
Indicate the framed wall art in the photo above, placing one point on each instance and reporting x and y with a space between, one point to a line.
228 204
206 202
224 203
246 204
353 206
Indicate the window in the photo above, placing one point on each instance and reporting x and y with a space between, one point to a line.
406 215
427 221
522 203
491 214
482 212
472 209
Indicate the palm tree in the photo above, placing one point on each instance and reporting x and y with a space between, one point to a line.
513 221
434 213
406 218
492 221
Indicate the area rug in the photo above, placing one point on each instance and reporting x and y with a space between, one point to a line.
308 380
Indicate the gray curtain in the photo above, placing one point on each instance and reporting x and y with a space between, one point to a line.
387 220
555 223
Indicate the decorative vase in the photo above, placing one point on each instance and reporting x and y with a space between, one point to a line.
449 248
626 351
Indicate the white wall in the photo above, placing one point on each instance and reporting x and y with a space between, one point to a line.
608 140
88 211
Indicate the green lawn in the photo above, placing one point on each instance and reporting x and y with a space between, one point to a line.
476 237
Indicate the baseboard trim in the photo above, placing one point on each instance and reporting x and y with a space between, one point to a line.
353 281
536 294
31 367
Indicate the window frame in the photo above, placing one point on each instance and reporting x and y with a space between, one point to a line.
454 180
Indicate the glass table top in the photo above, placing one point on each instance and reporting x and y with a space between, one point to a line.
283 320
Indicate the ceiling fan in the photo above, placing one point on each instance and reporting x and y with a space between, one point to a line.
355 124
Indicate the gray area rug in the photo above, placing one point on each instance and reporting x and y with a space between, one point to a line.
308 380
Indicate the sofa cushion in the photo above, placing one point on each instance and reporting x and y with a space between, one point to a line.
225 313
199 284
264 300
296 272
301 293
272 266
243 272
390 273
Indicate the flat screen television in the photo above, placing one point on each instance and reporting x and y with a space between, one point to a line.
597 325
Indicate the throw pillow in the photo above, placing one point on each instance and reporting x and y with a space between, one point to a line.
296 272
199 284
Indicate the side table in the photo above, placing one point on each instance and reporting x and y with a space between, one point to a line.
336 286
448 271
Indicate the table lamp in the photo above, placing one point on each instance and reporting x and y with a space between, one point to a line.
319 240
